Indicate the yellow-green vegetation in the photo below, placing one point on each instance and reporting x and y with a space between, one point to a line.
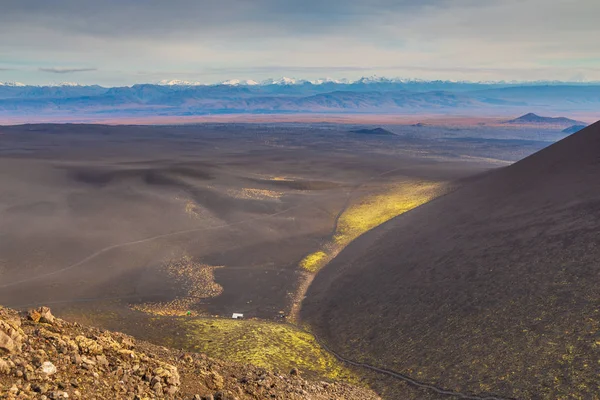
270 345
371 212
313 261
375 210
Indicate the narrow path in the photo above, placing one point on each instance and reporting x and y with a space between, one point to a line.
135 242
406 378
308 277
170 234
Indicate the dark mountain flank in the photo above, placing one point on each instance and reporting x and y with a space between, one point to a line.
532 118
574 129
492 289
374 131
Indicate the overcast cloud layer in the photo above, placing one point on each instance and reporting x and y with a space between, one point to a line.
115 42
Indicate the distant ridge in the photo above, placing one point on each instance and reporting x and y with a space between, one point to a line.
374 131
574 129
532 118
182 98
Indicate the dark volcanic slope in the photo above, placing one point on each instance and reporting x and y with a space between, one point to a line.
494 288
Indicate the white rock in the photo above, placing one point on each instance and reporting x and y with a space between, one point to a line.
48 368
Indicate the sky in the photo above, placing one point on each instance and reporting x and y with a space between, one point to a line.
122 42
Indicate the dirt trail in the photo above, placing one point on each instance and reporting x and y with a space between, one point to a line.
307 277
135 242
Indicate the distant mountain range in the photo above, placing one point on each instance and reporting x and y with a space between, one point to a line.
286 95
364 80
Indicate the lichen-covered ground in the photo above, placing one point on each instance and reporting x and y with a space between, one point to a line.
44 357
370 211
271 345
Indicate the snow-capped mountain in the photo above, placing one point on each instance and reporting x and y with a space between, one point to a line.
51 84
366 95
322 81
178 82
12 84
238 82
283 81
366 80
65 84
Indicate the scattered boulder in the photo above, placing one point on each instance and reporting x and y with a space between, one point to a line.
42 315
214 381
48 368
34 315
11 334
7 344
4 367
44 357
46 316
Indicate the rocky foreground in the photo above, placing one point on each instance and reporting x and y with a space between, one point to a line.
43 357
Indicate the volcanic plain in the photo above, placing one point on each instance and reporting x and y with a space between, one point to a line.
165 231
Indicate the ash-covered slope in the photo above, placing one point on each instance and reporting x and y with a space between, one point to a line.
44 357
492 289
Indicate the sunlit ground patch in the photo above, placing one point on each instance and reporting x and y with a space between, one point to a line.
192 209
281 178
375 210
254 194
369 213
197 281
313 261
266 344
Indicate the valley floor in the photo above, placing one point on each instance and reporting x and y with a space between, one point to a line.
164 232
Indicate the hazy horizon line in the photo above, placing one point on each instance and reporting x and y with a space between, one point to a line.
284 80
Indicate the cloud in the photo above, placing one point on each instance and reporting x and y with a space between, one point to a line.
60 70
457 39
114 18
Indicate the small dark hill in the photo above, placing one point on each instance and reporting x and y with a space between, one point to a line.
574 129
532 118
374 131
492 289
